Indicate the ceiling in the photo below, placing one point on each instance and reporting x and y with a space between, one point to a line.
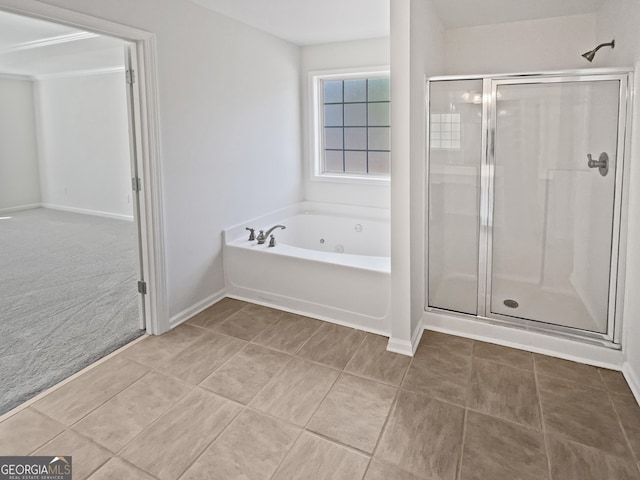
308 22
35 47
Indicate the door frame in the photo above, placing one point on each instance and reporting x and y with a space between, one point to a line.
613 338
147 137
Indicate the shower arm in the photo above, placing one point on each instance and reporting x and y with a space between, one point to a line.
592 53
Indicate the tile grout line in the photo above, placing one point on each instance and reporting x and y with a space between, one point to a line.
288 454
133 465
133 439
330 366
337 379
338 443
462 444
47 442
299 347
302 428
111 454
429 395
466 411
97 406
215 370
315 410
620 424
74 424
545 439
213 440
249 404
388 417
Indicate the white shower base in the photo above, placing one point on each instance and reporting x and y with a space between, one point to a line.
535 302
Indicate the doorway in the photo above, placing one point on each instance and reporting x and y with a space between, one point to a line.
90 259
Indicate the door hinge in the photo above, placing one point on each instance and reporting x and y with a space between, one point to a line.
136 184
131 77
142 288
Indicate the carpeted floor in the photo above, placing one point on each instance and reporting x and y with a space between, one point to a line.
67 296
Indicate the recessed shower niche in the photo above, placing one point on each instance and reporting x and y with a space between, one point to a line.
525 200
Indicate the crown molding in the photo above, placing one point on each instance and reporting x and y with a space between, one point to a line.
16 76
80 73
47 42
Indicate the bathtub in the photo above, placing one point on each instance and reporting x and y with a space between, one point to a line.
331 263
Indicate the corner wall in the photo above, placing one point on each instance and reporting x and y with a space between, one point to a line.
619 19
19 177
417 39
335 56
427 60
83 131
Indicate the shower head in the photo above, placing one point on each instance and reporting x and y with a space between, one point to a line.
589 55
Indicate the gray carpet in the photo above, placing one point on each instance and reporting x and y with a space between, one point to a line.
67 297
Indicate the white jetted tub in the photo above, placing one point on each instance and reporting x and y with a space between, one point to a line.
331 262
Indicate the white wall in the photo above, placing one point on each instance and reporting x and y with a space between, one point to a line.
547 44
83 132
230 131
333 56
19 180
427 60
417 38
619 19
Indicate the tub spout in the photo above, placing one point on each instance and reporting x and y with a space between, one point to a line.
262 236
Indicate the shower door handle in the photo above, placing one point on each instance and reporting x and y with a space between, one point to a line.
602 164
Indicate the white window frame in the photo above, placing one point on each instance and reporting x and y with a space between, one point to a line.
317 121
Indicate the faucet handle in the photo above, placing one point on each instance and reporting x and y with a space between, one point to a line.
272 241
252 234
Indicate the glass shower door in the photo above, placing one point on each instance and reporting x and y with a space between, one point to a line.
455 157
555 158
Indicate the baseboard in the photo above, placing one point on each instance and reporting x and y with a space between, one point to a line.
84 211
521 339
19 208
417 336
196 308
403 347
407 347
304 313
632 379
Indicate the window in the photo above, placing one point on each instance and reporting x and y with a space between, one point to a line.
445 131
353 126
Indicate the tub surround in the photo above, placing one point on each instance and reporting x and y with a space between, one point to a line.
324 249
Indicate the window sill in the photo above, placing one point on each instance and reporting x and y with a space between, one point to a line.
382 181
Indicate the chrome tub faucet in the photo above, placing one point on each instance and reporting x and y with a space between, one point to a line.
262 235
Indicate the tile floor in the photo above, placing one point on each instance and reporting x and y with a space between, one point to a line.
243 391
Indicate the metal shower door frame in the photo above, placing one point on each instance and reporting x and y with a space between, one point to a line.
612 337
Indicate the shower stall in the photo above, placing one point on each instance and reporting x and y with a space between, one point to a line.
526 200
